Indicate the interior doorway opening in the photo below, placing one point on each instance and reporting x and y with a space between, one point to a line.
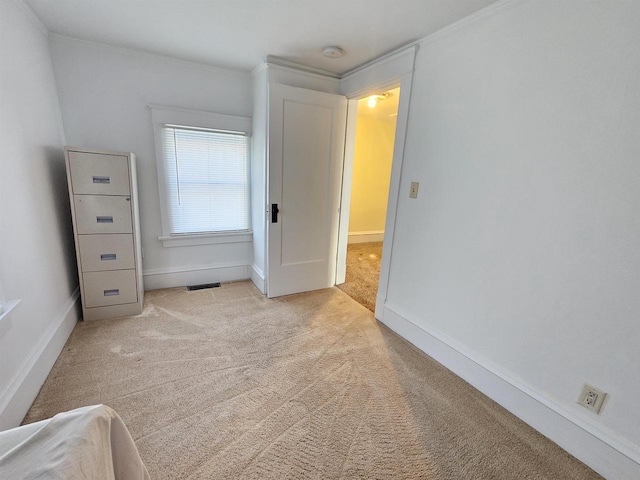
367 175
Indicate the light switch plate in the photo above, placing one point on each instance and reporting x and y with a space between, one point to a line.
413 191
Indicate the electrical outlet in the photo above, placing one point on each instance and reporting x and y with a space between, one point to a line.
591 398
413 191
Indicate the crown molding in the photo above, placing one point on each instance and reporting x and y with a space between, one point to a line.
30 15
260 68
385 58
272 60
468 21
143 54
281 62
411 47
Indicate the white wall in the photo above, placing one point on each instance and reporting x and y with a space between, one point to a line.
523 246
372 158
104 93
37 262
258 175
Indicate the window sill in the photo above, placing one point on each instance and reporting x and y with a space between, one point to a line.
206 239
10 305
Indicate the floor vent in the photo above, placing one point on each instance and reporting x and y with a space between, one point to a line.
203 286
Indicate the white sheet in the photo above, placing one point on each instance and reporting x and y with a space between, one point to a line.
86 443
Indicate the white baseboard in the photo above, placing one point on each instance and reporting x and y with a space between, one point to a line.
379 308
601 450
366 237
257 277
179 277
23 388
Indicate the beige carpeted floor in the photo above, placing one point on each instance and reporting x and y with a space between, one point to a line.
363 273
225 384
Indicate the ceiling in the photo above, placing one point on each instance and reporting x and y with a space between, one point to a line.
239 34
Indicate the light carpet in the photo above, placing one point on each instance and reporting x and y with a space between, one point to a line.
225 384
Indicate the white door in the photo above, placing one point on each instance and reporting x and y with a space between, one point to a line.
306 148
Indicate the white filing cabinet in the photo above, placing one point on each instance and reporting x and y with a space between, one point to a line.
104 206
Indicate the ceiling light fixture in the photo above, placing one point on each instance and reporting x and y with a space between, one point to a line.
333 52
374 99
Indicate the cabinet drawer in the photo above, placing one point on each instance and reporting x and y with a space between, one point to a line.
109 288
98 174
102 214
106 252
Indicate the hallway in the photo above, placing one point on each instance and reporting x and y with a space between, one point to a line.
363 272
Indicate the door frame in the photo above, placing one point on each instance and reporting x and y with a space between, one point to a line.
347 176
391 71
345 194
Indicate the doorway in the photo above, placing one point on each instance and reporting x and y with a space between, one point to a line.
367 177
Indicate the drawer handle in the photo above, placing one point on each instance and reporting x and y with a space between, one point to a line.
107 256
101 180
112 293
104 219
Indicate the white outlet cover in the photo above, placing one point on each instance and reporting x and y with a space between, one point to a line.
591 398
413 191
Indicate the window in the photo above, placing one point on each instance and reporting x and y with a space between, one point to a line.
207 184
2 300
6 306
203 174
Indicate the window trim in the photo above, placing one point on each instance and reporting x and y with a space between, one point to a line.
161 116
7 307
186 240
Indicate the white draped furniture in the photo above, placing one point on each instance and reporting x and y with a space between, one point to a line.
86 443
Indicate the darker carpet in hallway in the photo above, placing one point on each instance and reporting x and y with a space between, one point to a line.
363 272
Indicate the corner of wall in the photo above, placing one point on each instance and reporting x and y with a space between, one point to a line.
257 277
23 388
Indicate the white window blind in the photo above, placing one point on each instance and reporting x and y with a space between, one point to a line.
207 180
